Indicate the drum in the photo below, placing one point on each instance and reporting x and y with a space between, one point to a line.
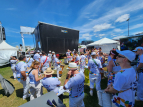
65 60
61 69
86 73
104 99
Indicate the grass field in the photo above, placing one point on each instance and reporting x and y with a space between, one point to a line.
16 100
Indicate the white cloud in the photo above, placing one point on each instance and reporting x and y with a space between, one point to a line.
118 37
110 16
139 32
86 36
117 30
102 27
101 35
123 18
136 26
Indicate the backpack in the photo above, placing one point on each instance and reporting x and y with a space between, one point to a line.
7 86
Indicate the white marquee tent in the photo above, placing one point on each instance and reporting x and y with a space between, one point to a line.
6 51
106 44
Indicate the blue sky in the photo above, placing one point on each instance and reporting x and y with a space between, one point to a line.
95 19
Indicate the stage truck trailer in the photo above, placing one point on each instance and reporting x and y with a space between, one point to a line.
55 38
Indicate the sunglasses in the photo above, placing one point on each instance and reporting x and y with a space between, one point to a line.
120 56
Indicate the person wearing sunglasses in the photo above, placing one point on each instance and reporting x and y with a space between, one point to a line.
139 51
113 67
125 83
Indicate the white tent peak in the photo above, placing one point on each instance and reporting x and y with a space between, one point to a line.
6 46
102 41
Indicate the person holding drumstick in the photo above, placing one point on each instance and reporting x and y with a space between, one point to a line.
125 82
94 65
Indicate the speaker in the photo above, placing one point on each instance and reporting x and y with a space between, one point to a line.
3 32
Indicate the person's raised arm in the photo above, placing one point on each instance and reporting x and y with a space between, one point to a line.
67 78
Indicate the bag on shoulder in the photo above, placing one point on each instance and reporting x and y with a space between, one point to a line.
7 86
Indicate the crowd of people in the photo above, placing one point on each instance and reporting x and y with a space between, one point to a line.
124 81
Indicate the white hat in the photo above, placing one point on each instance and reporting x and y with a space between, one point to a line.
138 48
72 66
93 53
37 51
49 51
128 54
48 71
53 52
40 53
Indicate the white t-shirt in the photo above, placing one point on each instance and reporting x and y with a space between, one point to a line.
29 61
46 64
76 84
36 57
125 80
82 57
68 53
57 60
51 83
77 58
20 66
50 56
13 62
93 67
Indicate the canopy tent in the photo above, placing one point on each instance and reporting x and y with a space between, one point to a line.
106 44
82 46
6 51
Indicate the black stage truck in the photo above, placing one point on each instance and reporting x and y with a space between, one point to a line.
55 38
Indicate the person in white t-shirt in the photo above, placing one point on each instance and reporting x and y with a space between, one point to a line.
82 62
125 82
76 84
21 68
45 62
77 58
94 66
50 56
57 64
29 61
68 55
37 56
139 51
13 61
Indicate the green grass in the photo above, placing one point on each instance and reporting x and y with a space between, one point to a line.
16 100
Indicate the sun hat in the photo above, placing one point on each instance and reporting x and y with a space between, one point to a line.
138 48
53 52
49 51
72 66
48 71
93 53
128 54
